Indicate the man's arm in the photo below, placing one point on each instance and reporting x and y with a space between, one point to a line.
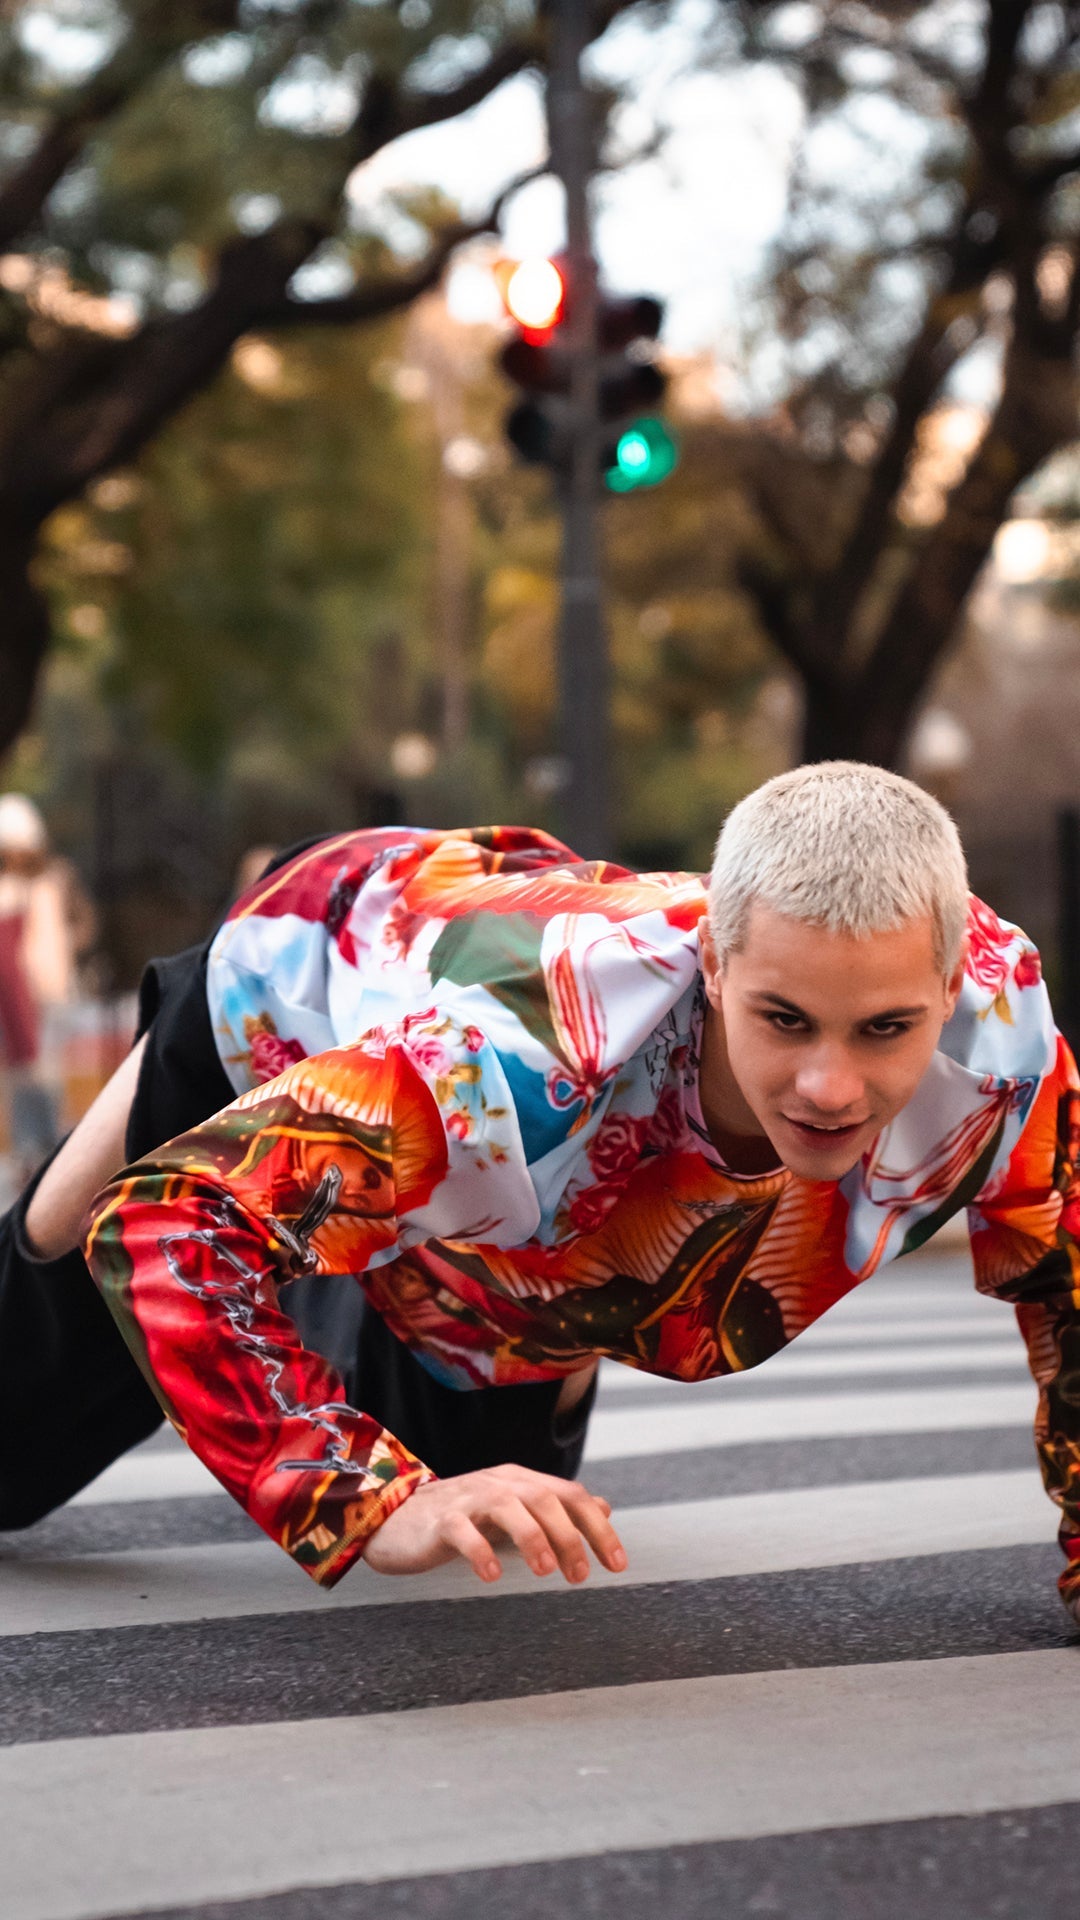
1025 1239
329 1169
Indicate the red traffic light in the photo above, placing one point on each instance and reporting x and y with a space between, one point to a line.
533 293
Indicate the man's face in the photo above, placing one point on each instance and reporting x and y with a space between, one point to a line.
825 1037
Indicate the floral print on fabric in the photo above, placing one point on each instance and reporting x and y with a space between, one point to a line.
487 1112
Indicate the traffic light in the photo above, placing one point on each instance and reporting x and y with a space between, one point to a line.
643 455
538 360
534 294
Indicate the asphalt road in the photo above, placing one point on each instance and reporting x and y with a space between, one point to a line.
836 1680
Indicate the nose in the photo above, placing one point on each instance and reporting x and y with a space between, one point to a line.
829 1083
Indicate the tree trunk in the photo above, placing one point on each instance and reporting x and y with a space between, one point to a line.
868 714
26 624
839 724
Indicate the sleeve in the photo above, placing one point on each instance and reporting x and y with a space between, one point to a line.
1025 1239
331 1168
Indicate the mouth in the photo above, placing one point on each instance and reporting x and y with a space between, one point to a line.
821 1136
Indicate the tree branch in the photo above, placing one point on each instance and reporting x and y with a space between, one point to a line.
1042 179
156 38
1035 416
398 290
85 425
930 358
92 425
387 111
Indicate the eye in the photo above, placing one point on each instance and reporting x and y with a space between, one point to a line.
786 1022
888 1029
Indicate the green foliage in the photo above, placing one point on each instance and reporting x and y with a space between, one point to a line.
254 589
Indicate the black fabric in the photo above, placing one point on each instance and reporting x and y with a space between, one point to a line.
457 1432
181 1080
72 1399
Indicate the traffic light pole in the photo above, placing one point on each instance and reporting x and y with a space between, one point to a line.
584 689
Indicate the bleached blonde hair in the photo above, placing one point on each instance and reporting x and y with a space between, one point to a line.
844 846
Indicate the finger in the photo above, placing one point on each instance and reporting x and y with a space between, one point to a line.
549 1511
592 1515
526 1532
457 1531
590 1511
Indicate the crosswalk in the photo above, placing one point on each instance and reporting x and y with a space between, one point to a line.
835 1678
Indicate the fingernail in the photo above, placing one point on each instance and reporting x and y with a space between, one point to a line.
618 1560
545 1563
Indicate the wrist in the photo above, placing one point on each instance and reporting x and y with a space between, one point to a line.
398 1491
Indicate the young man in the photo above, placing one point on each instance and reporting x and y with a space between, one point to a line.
547 1111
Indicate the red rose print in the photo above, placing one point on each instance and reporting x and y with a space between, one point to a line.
270 1054
988 944
429 1052
988 952
591 1208
426 1048
617 1147
1028 968
669 1129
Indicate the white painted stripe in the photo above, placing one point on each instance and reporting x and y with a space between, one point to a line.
622 1432
856 1364
166 1819
915 1310
844 1330
971 1308
695 1540
900 1295
164 1473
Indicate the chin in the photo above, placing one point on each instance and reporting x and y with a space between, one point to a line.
822 1166
813 1170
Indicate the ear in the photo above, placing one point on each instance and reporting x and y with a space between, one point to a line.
955 981
711 970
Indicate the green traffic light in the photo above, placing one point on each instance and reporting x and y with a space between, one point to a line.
646 453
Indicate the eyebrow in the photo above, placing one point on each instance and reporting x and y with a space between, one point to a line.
888 1013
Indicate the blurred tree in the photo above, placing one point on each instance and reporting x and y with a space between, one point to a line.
173 175
241 629
235 589
931 254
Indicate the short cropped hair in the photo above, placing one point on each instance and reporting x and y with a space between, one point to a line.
844 846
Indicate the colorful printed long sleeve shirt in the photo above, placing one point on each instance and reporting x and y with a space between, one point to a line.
468 1075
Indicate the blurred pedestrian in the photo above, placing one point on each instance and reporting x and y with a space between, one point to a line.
46 924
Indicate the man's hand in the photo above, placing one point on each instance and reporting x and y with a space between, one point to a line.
547 1519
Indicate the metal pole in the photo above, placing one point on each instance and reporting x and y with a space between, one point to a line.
1068 890
582 661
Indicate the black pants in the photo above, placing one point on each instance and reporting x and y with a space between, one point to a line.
71 1397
